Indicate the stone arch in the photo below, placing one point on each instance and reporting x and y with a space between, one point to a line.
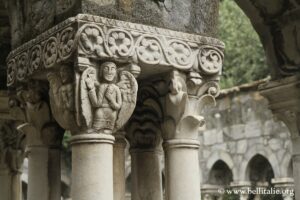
258 149
220 174
223 156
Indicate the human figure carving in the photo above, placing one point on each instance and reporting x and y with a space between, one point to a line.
62 97
111 103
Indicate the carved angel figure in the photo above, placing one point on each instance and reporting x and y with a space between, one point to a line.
107 104
62 97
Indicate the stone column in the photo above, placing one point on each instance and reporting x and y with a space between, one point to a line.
284 101
119 166
182 120
260 186
92 166
5 182
286 185
210 192
144 137
11 160
44 181
243 189
182 169
146 175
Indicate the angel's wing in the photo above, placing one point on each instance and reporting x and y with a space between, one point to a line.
55 99
85 105
128 87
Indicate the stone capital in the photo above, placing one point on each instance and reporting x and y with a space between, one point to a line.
73 54
188 95
12 147
284 99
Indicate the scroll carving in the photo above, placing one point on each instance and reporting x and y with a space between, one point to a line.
107 97
100 38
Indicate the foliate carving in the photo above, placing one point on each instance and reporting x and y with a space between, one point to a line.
149 49
11 72
22 67
183 105
179 53
35 59
62 98
120 42
107 97
66 43
38 125
211 60
50 52
107 39
12 146
91 39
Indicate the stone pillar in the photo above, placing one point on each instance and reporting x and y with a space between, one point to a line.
5 183
92 166
119 166
242 188
284 101
90 61
11 160
260 186
182 122
210 192
286 185
146 174
44 181
144 137
182 169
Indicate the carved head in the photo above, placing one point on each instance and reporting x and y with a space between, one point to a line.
109 71
66 74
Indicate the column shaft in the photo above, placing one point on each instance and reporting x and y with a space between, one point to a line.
5 184
16 186
296 165
92 167
119 167
146 175
44 173
182 169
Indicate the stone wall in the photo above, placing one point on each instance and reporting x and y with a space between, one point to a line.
240 127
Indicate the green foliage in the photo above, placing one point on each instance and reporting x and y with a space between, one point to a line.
244 54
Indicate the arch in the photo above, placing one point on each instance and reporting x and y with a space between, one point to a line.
220 174
258 149
223 156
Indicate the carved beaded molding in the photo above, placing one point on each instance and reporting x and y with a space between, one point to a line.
102 38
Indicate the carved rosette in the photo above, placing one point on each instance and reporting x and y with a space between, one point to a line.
100 38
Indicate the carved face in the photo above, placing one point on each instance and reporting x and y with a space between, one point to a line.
65 74
109 71
32 96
